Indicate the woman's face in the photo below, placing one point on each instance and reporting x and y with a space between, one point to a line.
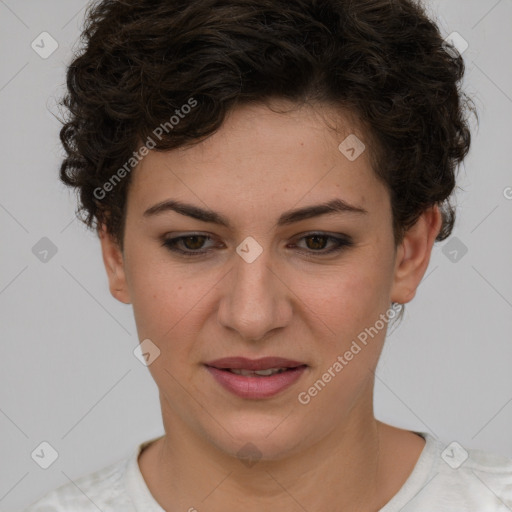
263 285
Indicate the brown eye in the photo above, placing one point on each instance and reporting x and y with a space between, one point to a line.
189 245
191 242
316 243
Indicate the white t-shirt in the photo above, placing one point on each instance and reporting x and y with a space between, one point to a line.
443 480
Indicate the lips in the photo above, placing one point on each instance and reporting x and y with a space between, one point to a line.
238 375
264 363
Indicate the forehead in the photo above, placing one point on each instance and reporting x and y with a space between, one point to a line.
265 158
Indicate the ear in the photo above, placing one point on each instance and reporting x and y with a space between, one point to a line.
413 255
114 265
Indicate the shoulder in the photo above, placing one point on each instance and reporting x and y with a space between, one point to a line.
452 478
481 473
468 479
103 489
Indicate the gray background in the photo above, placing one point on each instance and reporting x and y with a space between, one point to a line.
68 374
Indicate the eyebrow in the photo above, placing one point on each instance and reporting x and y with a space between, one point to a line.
286 218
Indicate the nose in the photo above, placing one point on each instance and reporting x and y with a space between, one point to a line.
255 299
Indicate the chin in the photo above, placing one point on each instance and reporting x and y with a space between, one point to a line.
259 439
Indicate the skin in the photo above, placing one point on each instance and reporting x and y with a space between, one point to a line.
331 454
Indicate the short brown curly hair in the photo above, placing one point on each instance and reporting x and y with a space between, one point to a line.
142 61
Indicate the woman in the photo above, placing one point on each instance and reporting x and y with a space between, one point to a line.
267 179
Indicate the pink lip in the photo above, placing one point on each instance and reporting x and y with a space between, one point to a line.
255 387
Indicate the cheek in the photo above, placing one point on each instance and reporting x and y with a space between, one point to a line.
165 306
159 302
166 297
350 303
349 297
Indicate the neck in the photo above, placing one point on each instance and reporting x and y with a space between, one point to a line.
347 469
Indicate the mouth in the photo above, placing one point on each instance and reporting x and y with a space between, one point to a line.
255 365
258 378
256 373
264 366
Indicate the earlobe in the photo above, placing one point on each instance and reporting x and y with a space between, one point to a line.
114 265
413 255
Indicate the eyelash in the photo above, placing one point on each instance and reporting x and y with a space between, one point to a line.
341 243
